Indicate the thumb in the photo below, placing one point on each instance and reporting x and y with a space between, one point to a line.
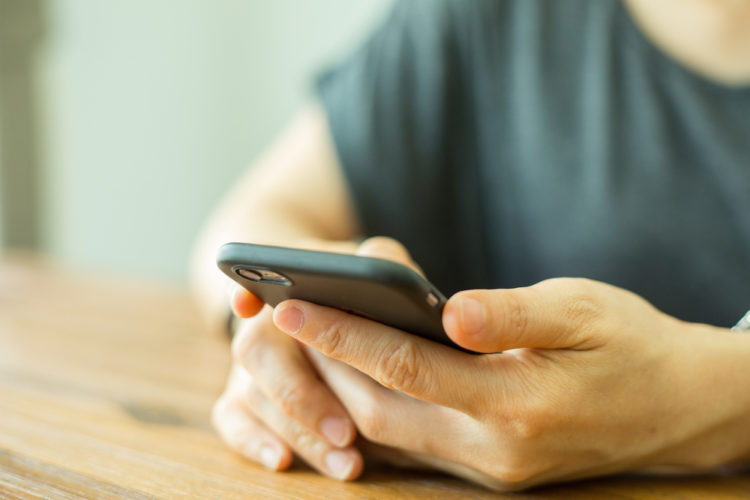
382 247
554 314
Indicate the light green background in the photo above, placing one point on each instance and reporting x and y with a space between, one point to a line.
150 109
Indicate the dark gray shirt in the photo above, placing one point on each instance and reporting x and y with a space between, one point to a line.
505 142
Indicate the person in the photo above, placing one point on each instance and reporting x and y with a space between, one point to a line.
577 175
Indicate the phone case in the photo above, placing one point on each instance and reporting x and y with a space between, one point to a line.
376 289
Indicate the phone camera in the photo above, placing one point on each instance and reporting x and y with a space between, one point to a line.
264 276
249 274
273 277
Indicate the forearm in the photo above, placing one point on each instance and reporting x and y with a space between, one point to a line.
295 191
715 390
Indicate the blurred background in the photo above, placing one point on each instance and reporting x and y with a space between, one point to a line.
123 122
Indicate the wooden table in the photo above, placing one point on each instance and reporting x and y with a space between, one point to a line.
105 390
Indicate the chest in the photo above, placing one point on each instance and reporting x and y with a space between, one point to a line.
635 184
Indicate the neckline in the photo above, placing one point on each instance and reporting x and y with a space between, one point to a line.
663 59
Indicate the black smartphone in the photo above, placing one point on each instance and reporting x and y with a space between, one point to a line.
377 289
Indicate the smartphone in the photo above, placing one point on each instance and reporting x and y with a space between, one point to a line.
377 289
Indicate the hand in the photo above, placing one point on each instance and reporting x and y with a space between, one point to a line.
591 380
275 404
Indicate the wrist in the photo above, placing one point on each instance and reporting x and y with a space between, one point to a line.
713 428
738 354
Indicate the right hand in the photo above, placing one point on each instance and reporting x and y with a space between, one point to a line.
275 405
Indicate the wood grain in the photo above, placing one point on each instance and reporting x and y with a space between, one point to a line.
106 385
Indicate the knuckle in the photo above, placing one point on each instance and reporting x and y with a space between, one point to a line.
383 242
514 315
518 315
255 397
301 439
514 473
332 341
525 430
581 305
290 397
308 445
372 424
526 426
401 367
515 468
519 465
245 343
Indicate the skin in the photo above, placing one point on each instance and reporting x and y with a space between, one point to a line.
592 380
553 406
709 37
258 416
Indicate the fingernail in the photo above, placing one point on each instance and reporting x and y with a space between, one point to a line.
270 457
289 319
472 315
339 464
336 430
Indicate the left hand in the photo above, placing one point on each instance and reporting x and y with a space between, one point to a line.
591 380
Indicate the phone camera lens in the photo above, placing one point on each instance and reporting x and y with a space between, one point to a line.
249 274
273 276
266 276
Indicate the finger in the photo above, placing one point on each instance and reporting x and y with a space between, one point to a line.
390 418
382 247
244 303
242 432
284 375
340 463
554 314
423 369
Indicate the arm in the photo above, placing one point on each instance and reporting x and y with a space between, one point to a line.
294 192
